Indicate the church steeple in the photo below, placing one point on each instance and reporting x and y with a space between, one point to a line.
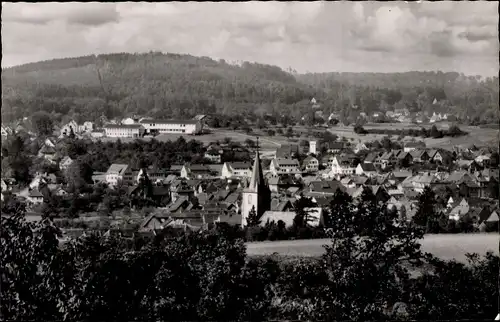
257 195
257 178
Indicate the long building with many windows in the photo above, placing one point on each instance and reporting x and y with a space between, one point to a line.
172 126
124 130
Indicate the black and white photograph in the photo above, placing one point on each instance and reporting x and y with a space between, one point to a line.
250 161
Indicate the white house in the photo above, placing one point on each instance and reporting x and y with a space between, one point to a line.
49 142
66 129
6 131
172 126
87 127
341 168
310 164
360 147
118 172
65 163
35 197
236 169
123 131
128 121
284 166
367 169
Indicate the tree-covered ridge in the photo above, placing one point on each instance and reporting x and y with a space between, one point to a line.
163 85
173 85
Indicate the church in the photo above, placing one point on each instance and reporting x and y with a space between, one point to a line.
257 195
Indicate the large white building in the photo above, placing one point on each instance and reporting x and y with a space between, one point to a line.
172 126
123 130
118 172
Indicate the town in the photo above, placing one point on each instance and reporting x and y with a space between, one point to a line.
229 180
250 161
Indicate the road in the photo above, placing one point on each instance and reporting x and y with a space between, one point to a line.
444 246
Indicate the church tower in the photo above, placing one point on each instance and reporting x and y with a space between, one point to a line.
257 195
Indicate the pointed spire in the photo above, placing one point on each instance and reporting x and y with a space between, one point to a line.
257 178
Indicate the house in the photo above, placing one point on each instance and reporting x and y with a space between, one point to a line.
405 158
287 151
315 216
65 163
49 142
281 205
35 196
385 159
327 160
419 156
322 188
459 211
435 156
283 182
284 166
6 131
410 146
334 147
197 171
236 169
119 172
341 166
124 130
48 153
483 159
152 126
87 127
310 164
399 176
367 169
371 157
67 128
360 147
214 154
489 222
128 121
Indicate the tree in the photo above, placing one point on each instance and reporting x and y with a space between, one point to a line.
435 133
253 220
250 143
377 260
271 132
358 129
42 123
426 208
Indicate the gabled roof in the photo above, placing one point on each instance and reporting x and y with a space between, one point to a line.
117 168
285 162
156 121
329 187
240 165
372 156
368 167
35 194
47 150
122 126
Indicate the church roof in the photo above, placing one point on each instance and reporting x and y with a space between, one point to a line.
257 178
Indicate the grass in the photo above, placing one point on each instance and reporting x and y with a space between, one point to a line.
477 135
444 246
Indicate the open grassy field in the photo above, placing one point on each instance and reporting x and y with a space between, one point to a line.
477 136
449 246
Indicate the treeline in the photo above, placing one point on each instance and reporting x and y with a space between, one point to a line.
181 86
208 276
433 132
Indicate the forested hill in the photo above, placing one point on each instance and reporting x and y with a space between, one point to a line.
161 85
172 85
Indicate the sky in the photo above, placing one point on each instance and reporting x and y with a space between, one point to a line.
307 36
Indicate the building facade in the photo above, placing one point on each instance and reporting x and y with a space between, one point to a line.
124 130
192 127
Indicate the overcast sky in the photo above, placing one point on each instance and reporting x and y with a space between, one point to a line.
308 36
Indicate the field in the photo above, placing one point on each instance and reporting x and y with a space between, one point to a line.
477 136
443 246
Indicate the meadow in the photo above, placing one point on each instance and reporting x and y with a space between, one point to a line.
444 246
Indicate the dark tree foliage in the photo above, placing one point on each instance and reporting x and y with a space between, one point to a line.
207 276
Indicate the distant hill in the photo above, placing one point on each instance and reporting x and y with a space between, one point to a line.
172 85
